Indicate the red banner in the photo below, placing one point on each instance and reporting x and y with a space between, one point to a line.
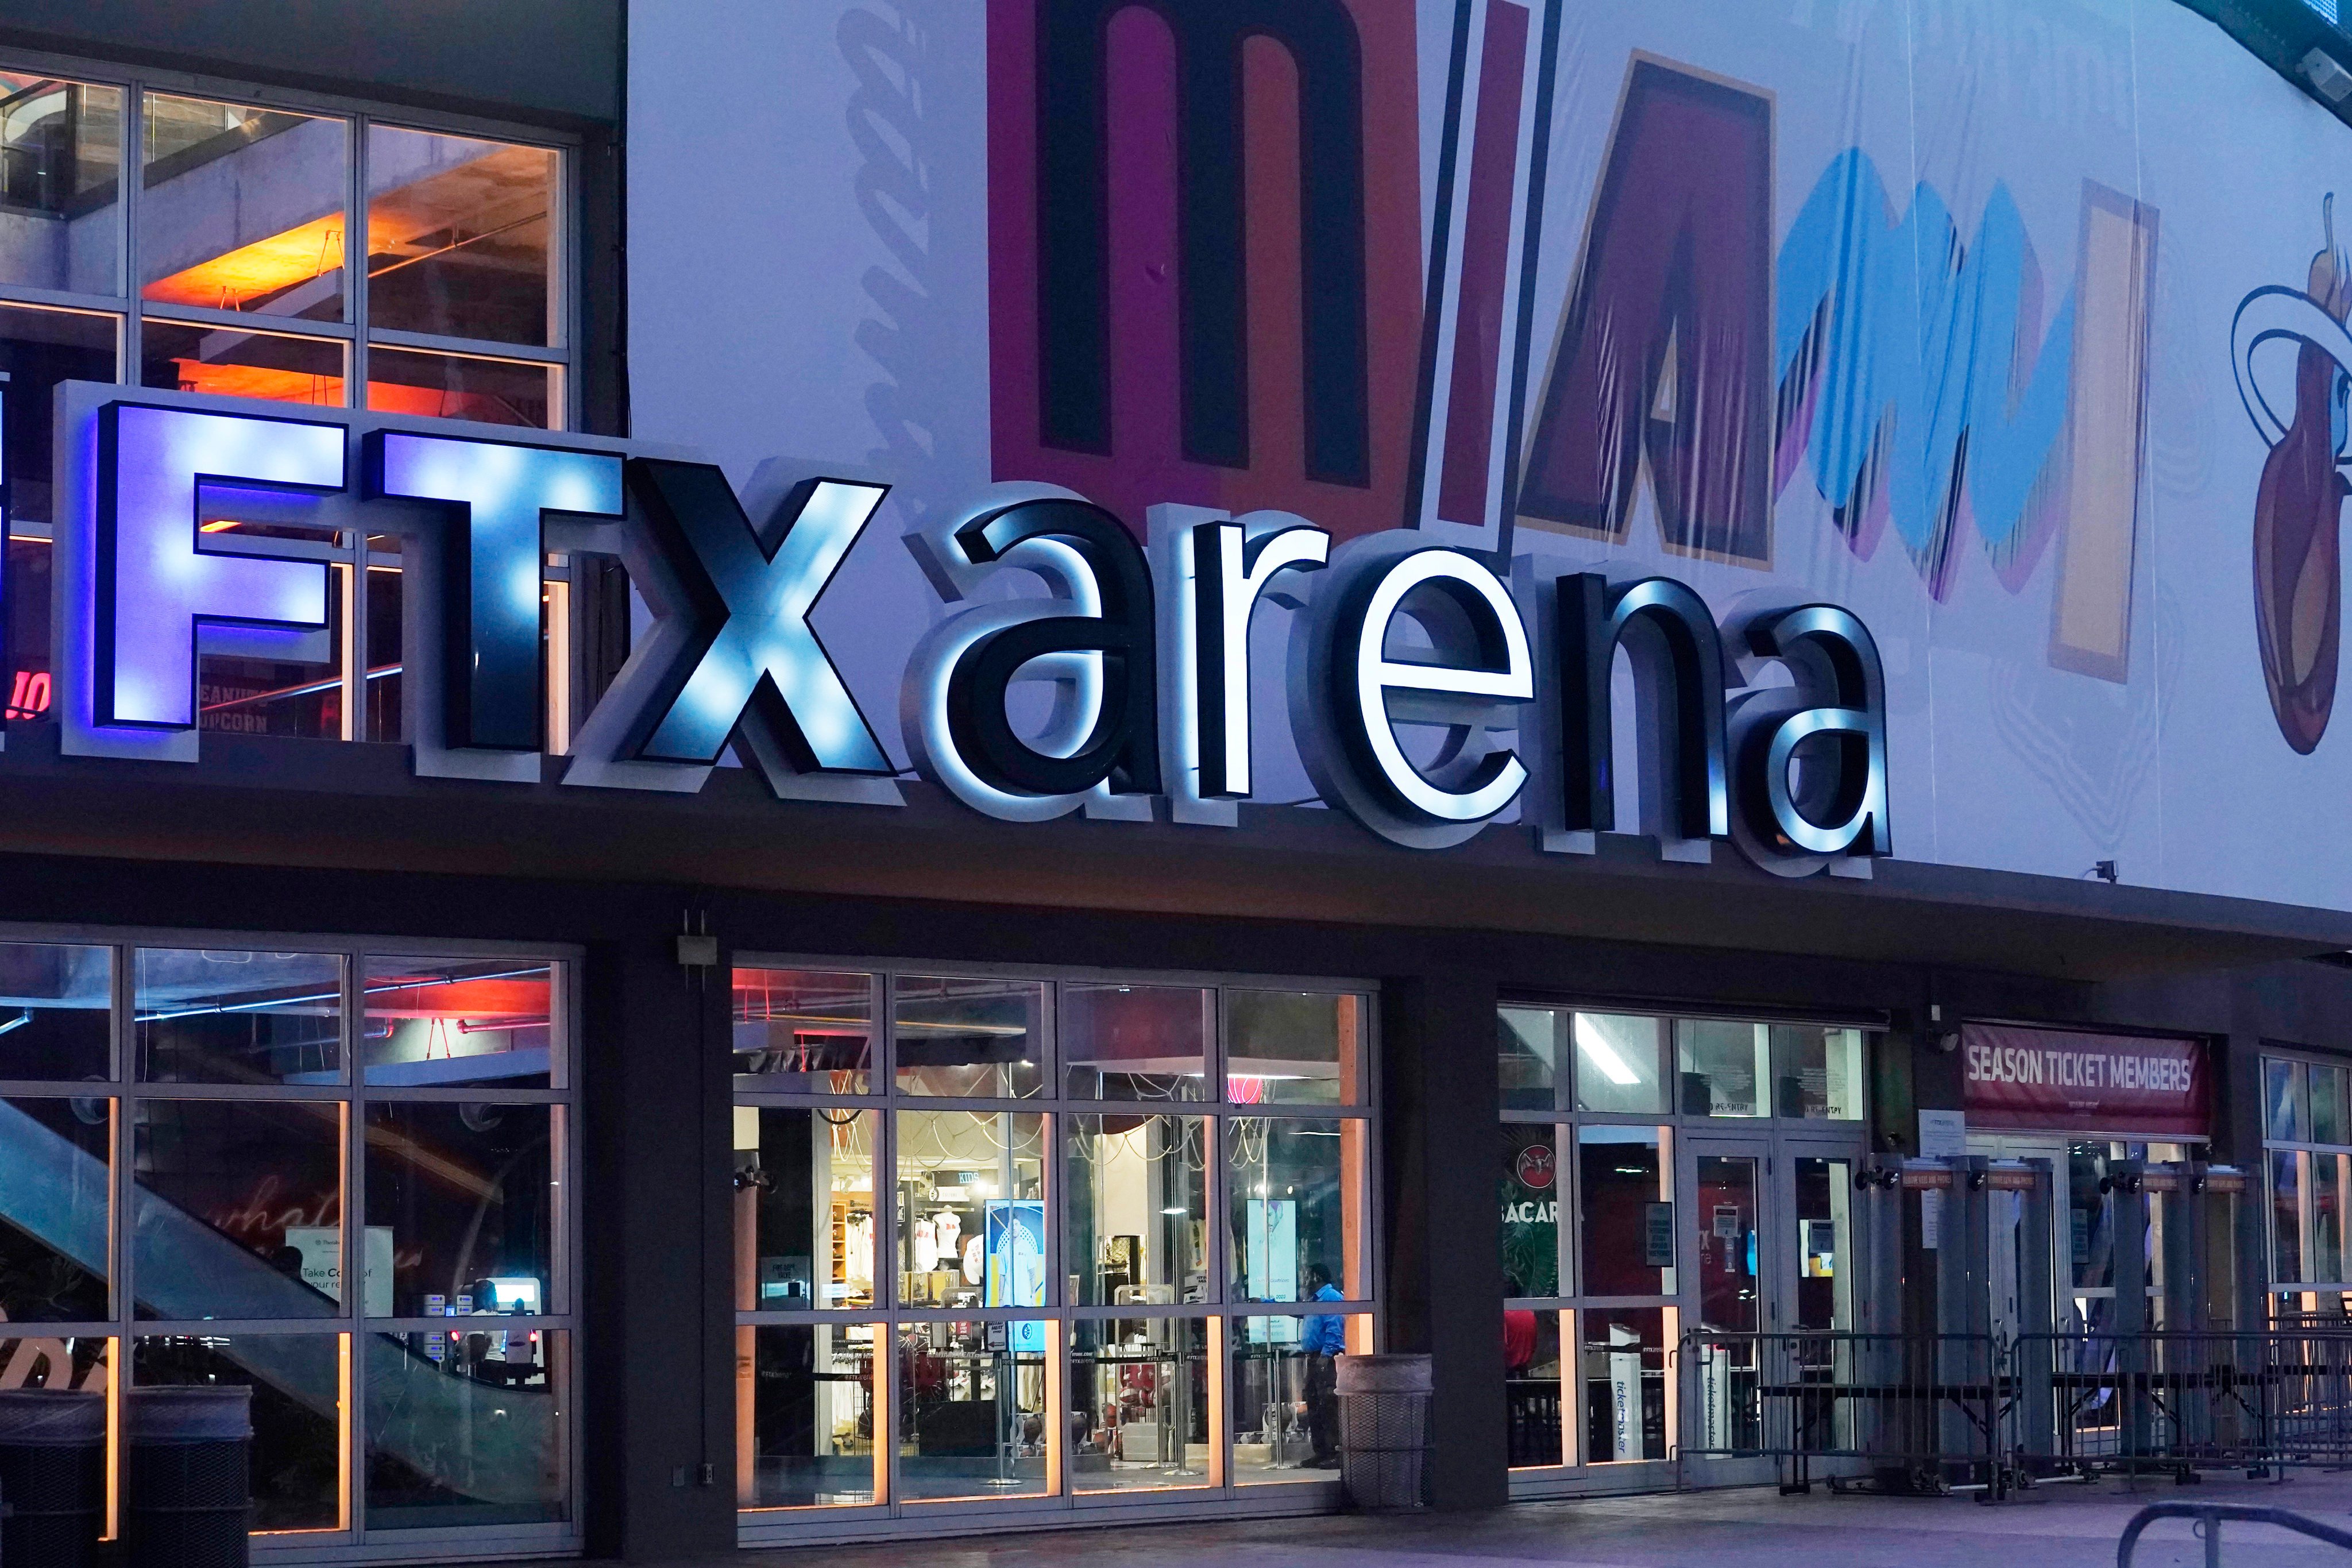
2058 1080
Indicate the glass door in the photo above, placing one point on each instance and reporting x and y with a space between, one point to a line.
1737 1293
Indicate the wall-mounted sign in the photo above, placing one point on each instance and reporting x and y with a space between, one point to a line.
1428 694
2022 1079
1431 688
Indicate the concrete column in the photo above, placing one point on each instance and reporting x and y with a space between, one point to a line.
656 1388
1441 1143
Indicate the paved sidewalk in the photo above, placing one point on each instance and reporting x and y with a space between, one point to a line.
2054 1526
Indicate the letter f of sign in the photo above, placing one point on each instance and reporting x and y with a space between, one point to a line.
754 663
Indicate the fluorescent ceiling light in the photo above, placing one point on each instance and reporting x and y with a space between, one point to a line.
1604 1055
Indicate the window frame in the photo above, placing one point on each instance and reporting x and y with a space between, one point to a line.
353 332
351 556
349 1324
1793 1136
2278 1291
1221 1310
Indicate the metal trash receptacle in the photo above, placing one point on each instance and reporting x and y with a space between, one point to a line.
52 1476
190 1492
1383 1429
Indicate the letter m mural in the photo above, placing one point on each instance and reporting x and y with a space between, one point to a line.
1205 248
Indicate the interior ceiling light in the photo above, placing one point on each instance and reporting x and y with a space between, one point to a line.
498 192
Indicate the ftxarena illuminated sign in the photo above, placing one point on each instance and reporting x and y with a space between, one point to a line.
1429 690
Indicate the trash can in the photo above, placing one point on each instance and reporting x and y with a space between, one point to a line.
190 1492
52 1477
1383 1429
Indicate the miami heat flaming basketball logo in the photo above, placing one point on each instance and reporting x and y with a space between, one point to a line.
2297 400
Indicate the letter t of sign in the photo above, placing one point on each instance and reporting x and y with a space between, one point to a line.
491 567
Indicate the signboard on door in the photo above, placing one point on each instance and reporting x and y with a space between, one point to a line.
2024 1079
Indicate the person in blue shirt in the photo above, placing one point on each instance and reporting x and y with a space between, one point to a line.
1322 1336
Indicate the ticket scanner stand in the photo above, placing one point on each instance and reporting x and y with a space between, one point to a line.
2169 1341
1958 1269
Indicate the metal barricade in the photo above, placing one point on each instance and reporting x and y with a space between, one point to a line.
1899 1413
1927 1414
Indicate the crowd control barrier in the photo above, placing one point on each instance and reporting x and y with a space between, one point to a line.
1939 1413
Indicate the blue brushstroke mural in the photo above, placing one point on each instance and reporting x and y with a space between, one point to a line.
1916 385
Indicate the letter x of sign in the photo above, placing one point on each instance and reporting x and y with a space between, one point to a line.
754 663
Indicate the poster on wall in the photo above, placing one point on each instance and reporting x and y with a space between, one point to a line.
2017 328
2021 1080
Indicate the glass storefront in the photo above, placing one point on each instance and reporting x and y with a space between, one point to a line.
1662 1175
1011 1241
231 265
2307 1170
184 1126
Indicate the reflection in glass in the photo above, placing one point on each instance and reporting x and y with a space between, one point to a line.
1135 1042
56 1018
1139 1399
285 695
1530 1188
1625 1210
1293 1047
238 1208
1527 1056
971 1409
445 1022
1817 1073
804 1208
383 632
1284 1402
1137 1210
76 1364
30 689
458 236
2282 1101
1825 1276
2286 1216
2326 1088
804 1029
2327 1255
1723 1236
805 1415
230 361
1292 1236
465 1426
980 1038
1723 1067
207 1017
1617 1057
1624 1384
459 1193
57 1167
463 387
60 185
1536 1430
297 1413
2091 1218
242 209
38 348
971 1208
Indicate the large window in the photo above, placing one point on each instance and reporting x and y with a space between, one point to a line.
1007 1241
157 238
1642 1169
2307 1162
186 1129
